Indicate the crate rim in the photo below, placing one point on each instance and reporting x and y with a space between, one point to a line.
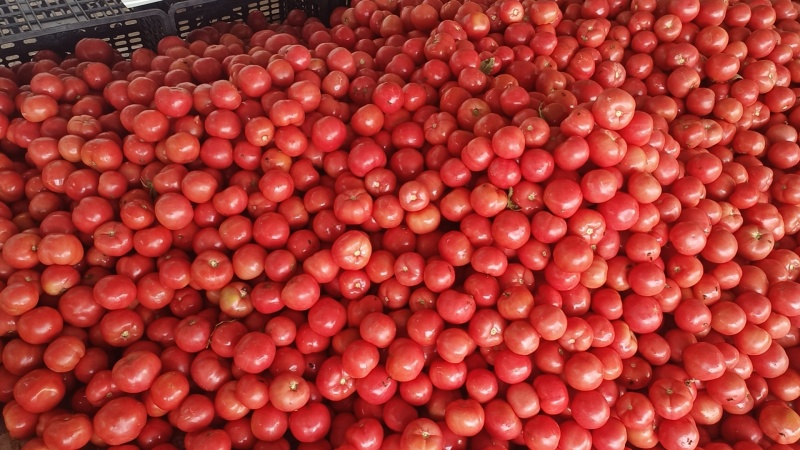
122 17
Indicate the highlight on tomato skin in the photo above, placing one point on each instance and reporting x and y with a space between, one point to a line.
422 224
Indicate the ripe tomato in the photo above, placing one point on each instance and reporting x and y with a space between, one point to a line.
119 421
422 434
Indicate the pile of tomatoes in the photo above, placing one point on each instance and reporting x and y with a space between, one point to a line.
565 224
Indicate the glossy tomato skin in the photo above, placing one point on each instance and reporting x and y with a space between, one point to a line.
421 433
71 431
120 420
39 391
136 371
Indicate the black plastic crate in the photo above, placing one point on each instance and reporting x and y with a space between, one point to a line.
27 26
188 15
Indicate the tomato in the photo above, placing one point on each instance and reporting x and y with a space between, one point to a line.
194 413
613 109
136 371
352 250
288 392
678 434
377 387
169 389
671 398
404 361
777 421
422 434
70 431
40 325
542 432
464 417
254 352
212 270
365 433
310 423
119 421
